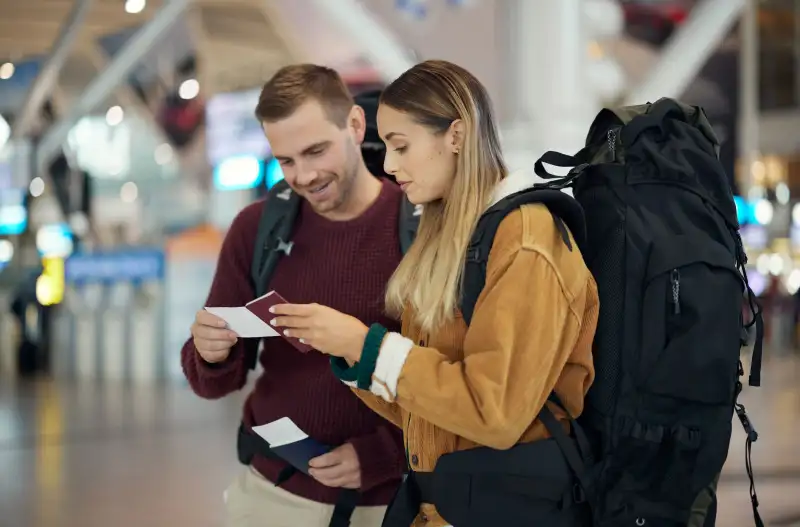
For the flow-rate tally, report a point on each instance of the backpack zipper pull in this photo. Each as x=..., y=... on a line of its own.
x=675, y=278
x=611, y=138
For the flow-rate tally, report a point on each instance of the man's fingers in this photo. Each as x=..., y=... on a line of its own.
x=210, y=333
x=330, y=473
x=213, y=345
x=213, y=356
x=337, y=477
x=332, y=458
x=334, y=476
x=206, y=318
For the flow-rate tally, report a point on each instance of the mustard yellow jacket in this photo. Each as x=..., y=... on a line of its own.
x=458, y=388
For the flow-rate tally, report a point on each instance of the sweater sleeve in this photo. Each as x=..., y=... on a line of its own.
x=385, y=409
x=380, y=455
x=231, y=287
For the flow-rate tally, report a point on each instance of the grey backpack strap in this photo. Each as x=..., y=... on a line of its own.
x=409, y=221
x=274, y=233
x=272, y=240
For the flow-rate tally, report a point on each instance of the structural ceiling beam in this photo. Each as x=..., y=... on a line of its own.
x=687, y=50
x=376, y=42
x=46, y=81
x=108, y=80
x=124, y=93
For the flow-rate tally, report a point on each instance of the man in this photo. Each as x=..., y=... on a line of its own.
x=344, y=249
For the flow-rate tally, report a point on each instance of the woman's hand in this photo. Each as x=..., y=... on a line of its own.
x=323, y=328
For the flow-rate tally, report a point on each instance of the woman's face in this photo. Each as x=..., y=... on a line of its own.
x=423, y=162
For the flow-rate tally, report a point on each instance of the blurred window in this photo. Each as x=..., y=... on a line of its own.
x=779, y=46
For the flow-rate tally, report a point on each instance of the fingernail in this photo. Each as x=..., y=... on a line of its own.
x=273, y=322
x=287, y=333
x=272, y=309
x=302, y=341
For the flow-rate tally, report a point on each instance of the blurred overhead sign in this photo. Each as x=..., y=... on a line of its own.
x=134, y=265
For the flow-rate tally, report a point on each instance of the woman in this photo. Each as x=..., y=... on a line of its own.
x=451, y=387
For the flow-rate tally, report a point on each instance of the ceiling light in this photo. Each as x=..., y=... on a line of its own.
x=129, y=192
x=189, y=89
x=163, y=154
x=114, y=116
x=135, y=6
x=6, y=71
x=36, y=187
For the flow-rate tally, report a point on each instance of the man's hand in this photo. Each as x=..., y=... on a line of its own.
x=339, y=468
x=211, y=337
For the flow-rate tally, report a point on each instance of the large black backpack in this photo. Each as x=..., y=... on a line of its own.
x=662, y=242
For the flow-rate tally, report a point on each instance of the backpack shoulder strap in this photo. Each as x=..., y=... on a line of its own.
x=567, y=214
x=409, y=221
x=274, y=231
x=272, y=239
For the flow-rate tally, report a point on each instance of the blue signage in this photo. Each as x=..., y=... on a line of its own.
x=745, y=211
x=134, y=265
x=274, y=172
x=13, y=214
x=238, y=173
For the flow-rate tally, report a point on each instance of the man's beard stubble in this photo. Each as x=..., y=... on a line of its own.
x=345, y=181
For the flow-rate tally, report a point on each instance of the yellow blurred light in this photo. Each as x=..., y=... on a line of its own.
x=759, y=171
x=596, y=50
x=50, y=285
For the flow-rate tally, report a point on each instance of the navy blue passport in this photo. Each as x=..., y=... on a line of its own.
x=289, y=442
x=299, y=453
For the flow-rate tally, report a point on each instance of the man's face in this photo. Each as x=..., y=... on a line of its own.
x=320, y=161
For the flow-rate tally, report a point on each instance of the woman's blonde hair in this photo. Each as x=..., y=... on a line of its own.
x=428, y=280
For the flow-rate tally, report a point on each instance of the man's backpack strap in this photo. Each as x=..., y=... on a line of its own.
x=409, y=221
x=274, y=231
x=567, y=214
x=272, y=240
x=249, y=445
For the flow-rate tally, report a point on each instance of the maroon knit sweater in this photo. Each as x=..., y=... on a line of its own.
x=344, y=265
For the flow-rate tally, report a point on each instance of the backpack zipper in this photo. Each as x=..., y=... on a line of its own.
x=675, y=279
x=612, y=142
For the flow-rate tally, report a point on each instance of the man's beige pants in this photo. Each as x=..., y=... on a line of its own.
x=252, y=501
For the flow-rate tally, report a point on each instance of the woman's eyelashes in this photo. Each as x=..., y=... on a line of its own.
x=400, y=149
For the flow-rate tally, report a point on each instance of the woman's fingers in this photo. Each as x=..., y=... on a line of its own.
x=295, y=310
x=291, y=322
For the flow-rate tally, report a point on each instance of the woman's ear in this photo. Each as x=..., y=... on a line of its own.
x=455, y=136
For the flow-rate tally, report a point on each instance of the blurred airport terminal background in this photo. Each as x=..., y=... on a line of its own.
x=128, y=144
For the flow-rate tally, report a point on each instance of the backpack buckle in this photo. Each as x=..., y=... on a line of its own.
x=284, y=247
x=578, y=169
x=474, y=254
x=578, y=494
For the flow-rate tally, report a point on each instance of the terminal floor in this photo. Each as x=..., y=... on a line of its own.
x=99, y=454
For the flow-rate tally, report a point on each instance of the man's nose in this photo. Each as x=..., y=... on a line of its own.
x=305, y=174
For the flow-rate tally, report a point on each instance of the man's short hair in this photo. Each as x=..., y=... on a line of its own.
x=294, y=85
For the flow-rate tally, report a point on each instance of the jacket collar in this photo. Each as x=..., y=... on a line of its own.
x=513, y=183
